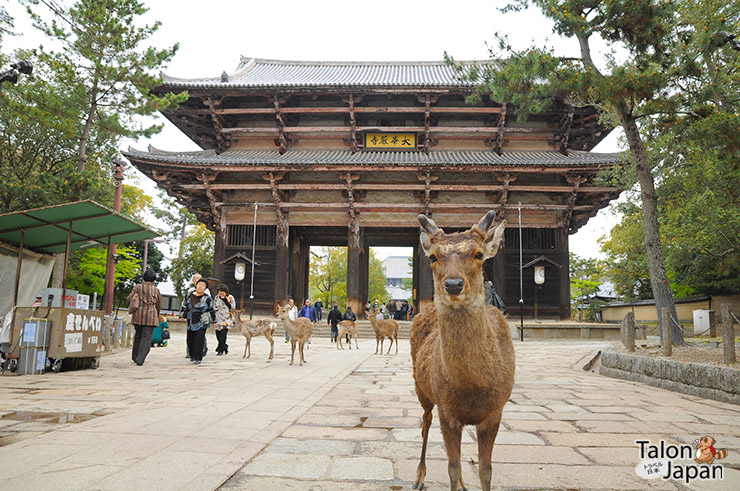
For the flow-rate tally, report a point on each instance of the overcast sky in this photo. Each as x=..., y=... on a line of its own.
x=214, y=35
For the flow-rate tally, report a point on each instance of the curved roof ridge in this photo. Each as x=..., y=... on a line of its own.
x=267, y=61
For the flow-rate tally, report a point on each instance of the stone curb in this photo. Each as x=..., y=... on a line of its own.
x=698, y=379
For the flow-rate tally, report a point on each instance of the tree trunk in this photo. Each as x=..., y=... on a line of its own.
x=85, y=135
x=653, y=249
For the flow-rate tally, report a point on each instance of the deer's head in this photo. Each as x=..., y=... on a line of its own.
x=457, y=259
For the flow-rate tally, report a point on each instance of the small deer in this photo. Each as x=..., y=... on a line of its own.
x=387, y=328
x=299, y=330
x=349, y=328
x=255, y=327
x=461, y=349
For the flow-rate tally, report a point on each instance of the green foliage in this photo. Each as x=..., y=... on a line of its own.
x=87, y=270
x=328, y=276
x=376, y=280
x=585, y=279
x=197, y=249
x=105, y=68
x=627, y=265
x=695, y=145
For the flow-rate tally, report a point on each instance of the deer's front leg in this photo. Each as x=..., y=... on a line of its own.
x=452, y=435
x=487, y=432
x=426, y=422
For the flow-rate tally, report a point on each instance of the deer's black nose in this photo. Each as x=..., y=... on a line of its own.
x=454, y=286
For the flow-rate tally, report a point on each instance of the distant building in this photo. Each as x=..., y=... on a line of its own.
x=396, y=269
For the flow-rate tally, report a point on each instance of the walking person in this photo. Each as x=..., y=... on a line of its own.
x=391, y=309
x=224, y=305
x=333, y=319
x=292, y=315
x=319, y=308
x=194, y=281
x=145, y=301
x=349, y=316
x=199, y=313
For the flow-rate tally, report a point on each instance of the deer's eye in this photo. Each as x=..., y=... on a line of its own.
x=479, y=255
x=432, y=258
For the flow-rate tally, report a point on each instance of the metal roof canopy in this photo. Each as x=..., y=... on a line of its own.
x=64, y=228
x=83, y=223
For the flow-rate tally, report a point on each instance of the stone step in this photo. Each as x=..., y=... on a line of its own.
x=365, y=330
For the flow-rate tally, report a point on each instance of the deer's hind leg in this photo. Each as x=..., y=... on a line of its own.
x=246, y=346
x=426, y=422
x=356, y=345
x=272, y=344
x=390, y=340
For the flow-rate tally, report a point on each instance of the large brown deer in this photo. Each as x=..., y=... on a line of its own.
x=461, y=349
x=350, y=329
x=255, y=327
x=299, y=330
x=386, y=328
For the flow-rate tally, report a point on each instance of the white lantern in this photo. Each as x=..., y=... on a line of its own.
x=539, y=274
x=240, y=270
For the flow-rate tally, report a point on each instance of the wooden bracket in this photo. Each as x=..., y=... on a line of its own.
x=282, y=141
x=575, y=182
x=211, y=200
x=498, y=141
x=427, y=123
x=428, y=178
x=218, y=123
x=353, y=124
x=506, y=179
x=567, y=122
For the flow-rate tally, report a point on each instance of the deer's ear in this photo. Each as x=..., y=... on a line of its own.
x=493, y=239
x=426, y=244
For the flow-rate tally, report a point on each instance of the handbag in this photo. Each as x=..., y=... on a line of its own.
x=165, y=334
x=134, y=303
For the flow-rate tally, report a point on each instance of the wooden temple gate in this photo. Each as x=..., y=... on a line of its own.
x=348, y=154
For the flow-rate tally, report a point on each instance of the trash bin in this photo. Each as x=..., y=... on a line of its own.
x=704, y=324
x=34, y=346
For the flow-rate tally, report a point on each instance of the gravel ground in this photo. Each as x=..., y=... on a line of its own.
x=697, y=350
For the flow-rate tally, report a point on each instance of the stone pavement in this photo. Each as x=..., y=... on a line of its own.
x=345, y=420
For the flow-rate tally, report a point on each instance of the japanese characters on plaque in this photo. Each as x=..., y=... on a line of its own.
x=390, y=141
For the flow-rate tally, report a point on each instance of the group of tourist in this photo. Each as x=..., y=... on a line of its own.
x=399, y=310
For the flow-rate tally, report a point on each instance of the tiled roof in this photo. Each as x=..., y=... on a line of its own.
x=259, y=73
x=237, y=157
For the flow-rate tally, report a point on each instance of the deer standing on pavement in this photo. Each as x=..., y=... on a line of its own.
x=299, y=330
x=255, y=327
x=461, y=349
x=350, y=329
x=386, y=328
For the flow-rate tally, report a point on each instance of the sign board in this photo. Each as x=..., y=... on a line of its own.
x=83, y=301
x=390, y=141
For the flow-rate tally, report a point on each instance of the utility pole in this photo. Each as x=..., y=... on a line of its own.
x=110, y=268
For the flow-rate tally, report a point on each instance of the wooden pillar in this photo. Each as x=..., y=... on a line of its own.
x=728, y=334
x=356, y=263
x=563, y=272
x=219, y=249
x=282, y=261
x=299, y=269
x=425, y=283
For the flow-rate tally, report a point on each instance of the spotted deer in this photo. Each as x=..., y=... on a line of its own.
x=386, y=328
x=461, y=349
x=350, y=329
x=255, y=327
x=299, y=330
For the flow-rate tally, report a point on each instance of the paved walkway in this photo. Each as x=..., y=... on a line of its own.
x=345, y=420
